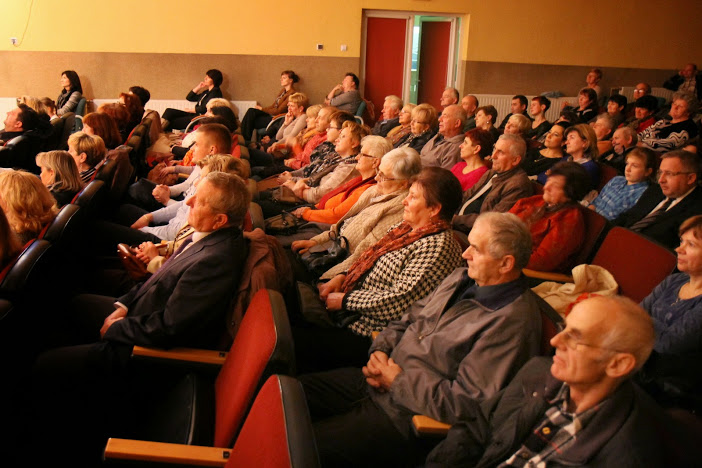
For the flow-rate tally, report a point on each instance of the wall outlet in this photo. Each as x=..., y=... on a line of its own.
x=13, y=40
x=320, y=46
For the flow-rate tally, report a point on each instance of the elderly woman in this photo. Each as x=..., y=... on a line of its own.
x=587, y=105
x=475, y=148
x=375, y=211
x=71, y=94
x=87, y=151
x=207, y=89
x=401, y=268
x=537, y=109
x=581, y=146
x=540, y=161
x=59, y=174
x=554, y=218
x=622, y=192
x=424, y=120
x=518, y=124
x=339, y=201
x=104, y=126
x=405, y=127
x=299, y=144
x=10, y=245
x=295, y=121
x=28, y=205
x=260, y=117
x=667, y=135
x=603, y=127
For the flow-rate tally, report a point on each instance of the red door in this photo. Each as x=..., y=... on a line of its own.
x=385, y=58
x=433, y=61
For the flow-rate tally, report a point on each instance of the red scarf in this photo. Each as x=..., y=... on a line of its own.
x=348, y=187
x=396, y=239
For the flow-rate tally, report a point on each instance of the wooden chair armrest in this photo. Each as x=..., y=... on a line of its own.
x=160, y=452
x=202, y=356
x=548, y=276
x=424, y=425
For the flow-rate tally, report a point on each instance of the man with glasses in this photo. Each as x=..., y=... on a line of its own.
x=664, y=206
x=578, y=408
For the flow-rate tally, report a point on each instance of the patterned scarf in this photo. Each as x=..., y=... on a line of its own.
x=402, y=236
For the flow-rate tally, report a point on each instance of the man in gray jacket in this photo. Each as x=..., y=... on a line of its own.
x=450, y=351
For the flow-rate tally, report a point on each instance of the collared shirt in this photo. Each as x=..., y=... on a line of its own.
x=618, y=196
x=556, y=431
x=492, y=297
x=675, y=200
x=442, y=152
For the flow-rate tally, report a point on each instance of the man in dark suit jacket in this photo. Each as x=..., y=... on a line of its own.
x=662, y=208
x=390, y=116
x=182, y=304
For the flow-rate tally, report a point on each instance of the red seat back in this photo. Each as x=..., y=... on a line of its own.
x=263, y=346
x=594, y=226
x=637, y=263
x=278, y=430
x=607, y=173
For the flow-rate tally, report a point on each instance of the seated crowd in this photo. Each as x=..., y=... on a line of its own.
x=409, y=242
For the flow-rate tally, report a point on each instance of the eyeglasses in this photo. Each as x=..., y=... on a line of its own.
x=572, y=342
x=380, y=177
x=667, y=174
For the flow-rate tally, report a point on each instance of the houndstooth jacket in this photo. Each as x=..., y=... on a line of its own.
x=400, y=278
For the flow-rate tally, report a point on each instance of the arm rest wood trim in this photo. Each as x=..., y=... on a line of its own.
x=204, y=356
x=159, y=452
x=545, y=275
x=424, y=425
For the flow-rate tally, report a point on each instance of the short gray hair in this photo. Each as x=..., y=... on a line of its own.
x=630, y=133
x=517, y=145
x=394, y=101
x=234, y=197
x=690, y=99
x=606, y=119
x=405, y=162
x=509, y=236
x=375, y=145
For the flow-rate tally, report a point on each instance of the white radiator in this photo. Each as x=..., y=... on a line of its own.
x=160, y=105
x=502, y=103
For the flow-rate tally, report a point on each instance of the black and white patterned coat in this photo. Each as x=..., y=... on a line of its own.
x=400, y=278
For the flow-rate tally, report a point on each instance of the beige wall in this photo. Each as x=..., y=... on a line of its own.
x=167, y=45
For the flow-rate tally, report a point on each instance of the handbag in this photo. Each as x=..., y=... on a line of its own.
x=282, y=224
x=314, y=311
x=317, y=261
x=135, y=267
x=286, y=196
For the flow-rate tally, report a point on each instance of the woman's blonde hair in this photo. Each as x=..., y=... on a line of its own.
x=425, y=113
x=313, y=111
x=300, y=99
x=32, y=102
x=225, y=163
x=92, y=145
x=66, y=176
x=9, y=243
x=27, y=203
x=219, y=102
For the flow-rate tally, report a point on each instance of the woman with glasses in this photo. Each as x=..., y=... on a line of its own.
x=405, y=265
x=405, y=127
x=378, y=209
x=422, y=128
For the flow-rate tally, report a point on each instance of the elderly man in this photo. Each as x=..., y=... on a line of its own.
x=667, y=135
x=470, y=104
x=345, y=96
x=183, y=304
x=688, y=80
x=449, y=97
x=499, y=188
x=579, y=408
x=518, y=105
x=444, y=150
x=22, y=138
x=623, y=141
x=664, y=206
x=452, y=349
x=390, y=116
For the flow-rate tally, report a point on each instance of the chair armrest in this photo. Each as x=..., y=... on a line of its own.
x=548, y=276
x=424, y=425
x=160, y=452
x=202, y=356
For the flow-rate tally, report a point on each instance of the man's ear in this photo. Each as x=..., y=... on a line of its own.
x=82, y=157
x=620, y=365
x=221, y=220
x=507, y=264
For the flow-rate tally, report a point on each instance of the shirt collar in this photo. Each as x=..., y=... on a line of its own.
x=493, y=297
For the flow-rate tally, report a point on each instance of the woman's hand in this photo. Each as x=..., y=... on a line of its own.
x=258, y=107
x=284, y=177
x=301, y=246
x=334, y=300
x=146, y=252
x=289, y=117
x=200, y=86
x=331, y=286
x=168, y=169
x=142, y=222
x=301, y=211
x=161, y=194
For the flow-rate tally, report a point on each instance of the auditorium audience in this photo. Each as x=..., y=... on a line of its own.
x=450, y=351
x=10, y=245
x=469, y=104
x=623, y=142
x=298, y=145
x=345, y=96
x=664, y=206
x=142, y=93
x=449, y=97
x=594, y=76
x=422, y=123
x=539, y=125
x=645, y=109
x=616, y=105
x=517, y=106
x=518, y=125
x=485, y=118
x=587, y=105
x=581, y=146
x=404, y=126
x=23, y=137
x=500, y=187
x=207, y=89
x=27, y=204
x=401, y=268
x=318, y=144
x=603, y=126
x=87, y=151
x=540, y=161
x=687, y=80
x=578, y=408
x=104, y=126
x=259, y=117
x=59, y=174
x=444, y=150
x=673, y=133
x=622, y=192
x=71, y=93
x=389, y=116
x=476, y=146
x=120, y=115
x=49, y=108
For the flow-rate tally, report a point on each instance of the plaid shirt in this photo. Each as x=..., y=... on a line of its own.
x=557, y=430
x=616, y=197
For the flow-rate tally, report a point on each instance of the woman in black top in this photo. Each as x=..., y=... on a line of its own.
x=205, y=90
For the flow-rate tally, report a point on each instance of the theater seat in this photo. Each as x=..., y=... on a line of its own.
x=61, y=230
x=195, y=412
x=277, y=434
x=28, y=274
x=91, y=199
